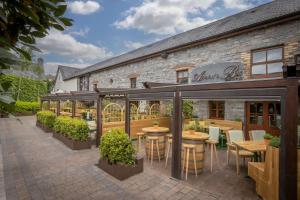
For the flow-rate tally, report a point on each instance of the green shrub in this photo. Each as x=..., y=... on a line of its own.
x=117, y=147
x=75, y=129
x=187, y=109
x=275, y=142
x=268, y=136
x=25, y=89
x=27, y=107
x=46, y=118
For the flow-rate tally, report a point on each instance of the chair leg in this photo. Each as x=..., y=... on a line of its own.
x=194, y=157
x=167, y=153
x=187, y=162
x=216, y=154
x=149, y=151
x=211, y=157
x=237, y=162
x=183, y=162
x=152, y=145
x=157, y=149
x=228, y=155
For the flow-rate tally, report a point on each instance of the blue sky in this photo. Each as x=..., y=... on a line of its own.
x=106, y=28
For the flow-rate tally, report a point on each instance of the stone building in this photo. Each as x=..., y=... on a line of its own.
x=253, y=44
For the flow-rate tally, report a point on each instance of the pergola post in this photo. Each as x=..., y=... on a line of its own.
x=288, y=146
x=177, y=136
x=99, y=121
x=48, y=105
x=58, y=108
x=127, y=116
x=73, y=108
x=41, y=104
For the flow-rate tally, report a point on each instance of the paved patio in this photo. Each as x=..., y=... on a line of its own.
x=36, y=166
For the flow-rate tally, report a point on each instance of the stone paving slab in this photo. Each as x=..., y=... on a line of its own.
x=36, y=166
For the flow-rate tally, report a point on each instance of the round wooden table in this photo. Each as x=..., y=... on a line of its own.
x=197, y=139
x=160, y=132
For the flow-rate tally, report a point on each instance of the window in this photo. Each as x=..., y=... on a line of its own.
x=132, y=82
x=267, y=62
x=84, y=83
x=95, y=85
x=216, y=109
x=183, y=76
x=256, y=114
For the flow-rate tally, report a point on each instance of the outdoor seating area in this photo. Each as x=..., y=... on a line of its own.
x=195, y=136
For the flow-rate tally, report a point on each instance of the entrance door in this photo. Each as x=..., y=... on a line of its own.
x=263, y=116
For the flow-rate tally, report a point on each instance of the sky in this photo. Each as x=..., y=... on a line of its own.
x=107, y=28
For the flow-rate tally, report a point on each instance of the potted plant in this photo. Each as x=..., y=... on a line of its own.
x=117, y=155
x=267, y=138
x=156, y=124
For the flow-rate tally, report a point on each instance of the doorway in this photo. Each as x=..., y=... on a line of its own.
x=263, y=116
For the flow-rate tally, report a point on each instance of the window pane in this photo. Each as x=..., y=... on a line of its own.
x=259, y=56
x=275, y=67
x=275, y=54
x=258, y=69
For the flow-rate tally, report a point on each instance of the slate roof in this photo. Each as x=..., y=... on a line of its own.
x=277, y=9
x=67, y=72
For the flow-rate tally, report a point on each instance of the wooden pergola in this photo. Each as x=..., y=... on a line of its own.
x=285, y=90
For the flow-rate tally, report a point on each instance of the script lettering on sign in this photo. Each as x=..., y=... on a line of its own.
x=218, y=72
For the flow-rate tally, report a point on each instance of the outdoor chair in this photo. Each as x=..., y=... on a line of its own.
x=214, y=133
x=236, y=136
x=257, y=135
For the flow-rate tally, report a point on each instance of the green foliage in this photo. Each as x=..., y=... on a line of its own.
x=24, y=89
x=27, y=107
x=46, y=118
x=75, y=129
x=191, y=127
x=275, y=142
x=268, y=136
x=117, y=147
x=187, y=109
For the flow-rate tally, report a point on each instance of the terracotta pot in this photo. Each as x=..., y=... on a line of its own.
x=192, y=132
x=155, y=126
x=267, y=141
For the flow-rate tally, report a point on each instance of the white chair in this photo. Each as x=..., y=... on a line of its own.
x=257, y=135
x=236, y=136
x=214, y=133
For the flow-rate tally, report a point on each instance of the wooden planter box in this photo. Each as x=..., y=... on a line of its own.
x=119, y=171
x=73, y=144
x=3, y=115
x=43, y=127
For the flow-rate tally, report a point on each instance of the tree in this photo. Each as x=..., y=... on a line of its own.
x=21, y=22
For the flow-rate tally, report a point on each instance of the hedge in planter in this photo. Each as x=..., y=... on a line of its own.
x=45, y=120
x=72, y=132
x=117, y=155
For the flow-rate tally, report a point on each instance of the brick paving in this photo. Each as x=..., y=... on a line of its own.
x=36, y=166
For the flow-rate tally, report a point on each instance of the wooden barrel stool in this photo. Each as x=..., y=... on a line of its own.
x=186, y=157
x=139, y=140
x=169, y=146
x=152, y=140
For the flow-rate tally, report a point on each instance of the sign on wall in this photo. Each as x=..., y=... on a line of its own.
x=228, y=71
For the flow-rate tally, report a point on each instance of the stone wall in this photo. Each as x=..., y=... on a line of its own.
x=235, y=110
x=234, y=49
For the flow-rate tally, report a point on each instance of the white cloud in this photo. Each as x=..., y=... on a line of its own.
x=65, y=45
x=83, y=7
x=82, y=32
x=165, y=16
x=130, y=45
x=51, y=67
x=237, y=4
